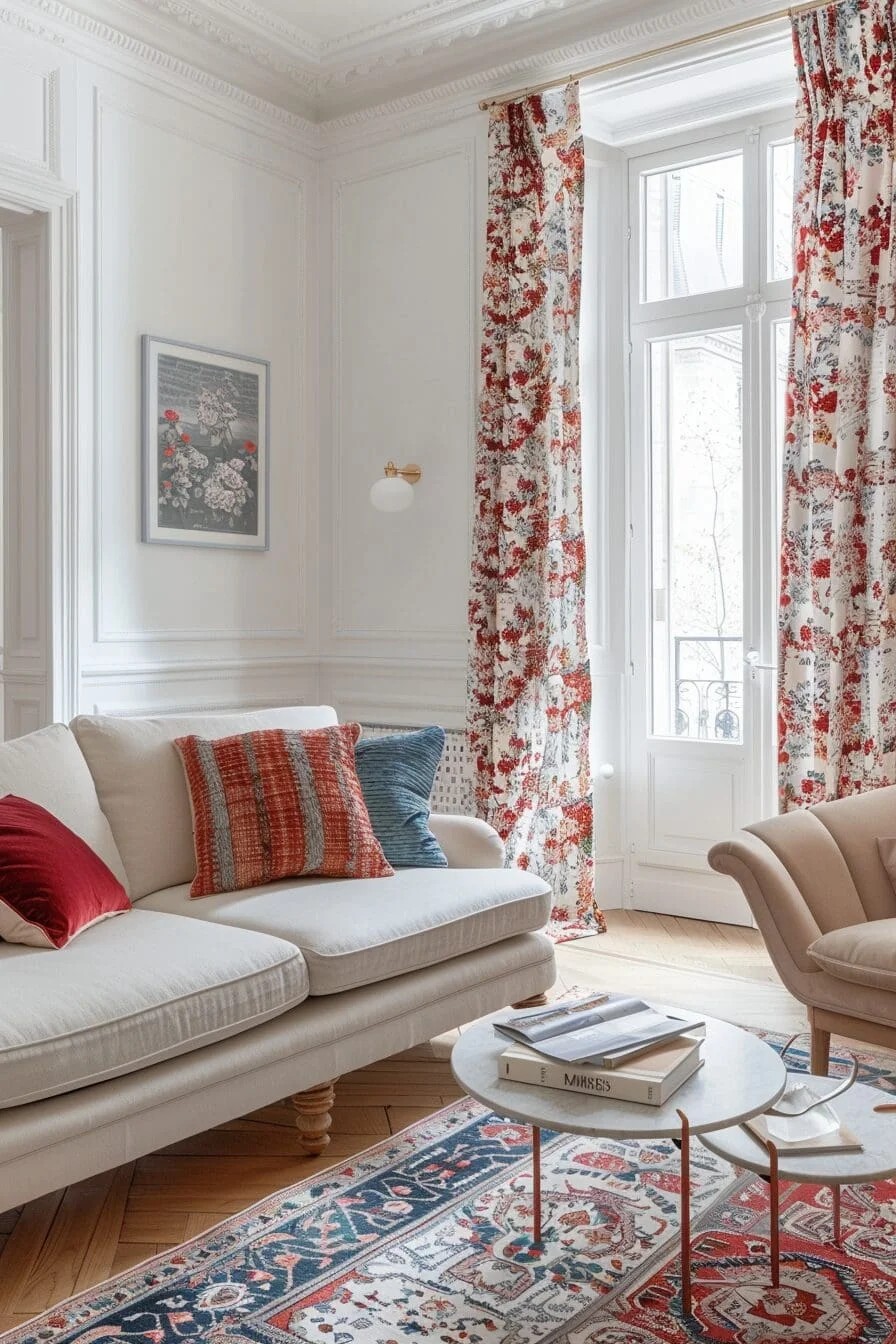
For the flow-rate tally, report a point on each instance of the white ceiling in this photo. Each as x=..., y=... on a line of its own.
x=325, y=22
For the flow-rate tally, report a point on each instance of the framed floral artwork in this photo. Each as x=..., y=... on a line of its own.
x=205, y=446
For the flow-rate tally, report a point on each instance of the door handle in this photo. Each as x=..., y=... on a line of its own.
x=751, y=660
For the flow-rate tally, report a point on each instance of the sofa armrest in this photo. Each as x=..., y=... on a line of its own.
x=467, y=842
x=785, y=921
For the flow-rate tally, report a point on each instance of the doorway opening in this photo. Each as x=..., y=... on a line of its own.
x=701, y=156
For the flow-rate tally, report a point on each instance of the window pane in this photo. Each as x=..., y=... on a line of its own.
x=693, y=229
x=696, y=387
x=780, y=259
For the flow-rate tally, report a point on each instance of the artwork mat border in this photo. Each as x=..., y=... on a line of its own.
x=151, y=532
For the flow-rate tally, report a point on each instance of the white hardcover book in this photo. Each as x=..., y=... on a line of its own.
x=650, y=1080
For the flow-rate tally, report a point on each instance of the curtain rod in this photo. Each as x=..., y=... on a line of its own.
x=743, y=26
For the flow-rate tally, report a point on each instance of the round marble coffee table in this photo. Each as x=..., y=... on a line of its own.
x=741, y=1077
x=857, y=1110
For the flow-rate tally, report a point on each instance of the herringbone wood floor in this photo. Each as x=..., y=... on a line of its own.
x=75, y=1238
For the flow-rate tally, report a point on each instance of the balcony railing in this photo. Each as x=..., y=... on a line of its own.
x=708, y=707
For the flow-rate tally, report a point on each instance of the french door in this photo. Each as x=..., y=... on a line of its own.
x=709, y=310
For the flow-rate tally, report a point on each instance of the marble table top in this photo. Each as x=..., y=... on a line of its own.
x=855, y=1109
x=741, y=1076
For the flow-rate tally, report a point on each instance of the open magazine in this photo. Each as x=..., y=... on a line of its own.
x=603, y=1029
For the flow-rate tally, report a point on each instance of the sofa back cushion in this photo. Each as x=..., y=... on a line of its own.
x=48, y=768
x=142, y=789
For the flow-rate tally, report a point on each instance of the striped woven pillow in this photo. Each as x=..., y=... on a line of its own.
x=278, y=803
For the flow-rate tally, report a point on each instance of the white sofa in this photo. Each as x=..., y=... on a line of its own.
x=181, y=1014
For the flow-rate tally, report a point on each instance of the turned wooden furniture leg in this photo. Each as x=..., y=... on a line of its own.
x=821, y=1048
x=313, y=1118
x=535, y=1001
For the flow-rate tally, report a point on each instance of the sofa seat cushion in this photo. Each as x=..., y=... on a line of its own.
x=864, y=954
x=357, y=931
x=131, y=992
x=141, y=786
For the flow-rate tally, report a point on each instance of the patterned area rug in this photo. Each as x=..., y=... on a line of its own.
x=427, y=1237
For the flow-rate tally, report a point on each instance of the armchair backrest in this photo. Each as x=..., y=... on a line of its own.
x=831, y=854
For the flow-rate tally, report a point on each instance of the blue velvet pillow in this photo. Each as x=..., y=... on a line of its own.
x=397, y=774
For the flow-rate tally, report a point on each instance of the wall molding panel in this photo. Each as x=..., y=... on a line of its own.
x=30, y=112
x=181, y=687
x=290, y=533
x=367, y=432
x=395, y=691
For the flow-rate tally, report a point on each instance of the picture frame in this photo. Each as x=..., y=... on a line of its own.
x=206, y=456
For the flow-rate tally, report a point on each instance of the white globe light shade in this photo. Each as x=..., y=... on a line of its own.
x=391, y=494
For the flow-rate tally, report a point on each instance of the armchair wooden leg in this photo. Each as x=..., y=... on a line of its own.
x=534, y=1001
x=820, y=1052
x=313, y=1118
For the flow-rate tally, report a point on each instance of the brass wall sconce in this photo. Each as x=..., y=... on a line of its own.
x=395, y=490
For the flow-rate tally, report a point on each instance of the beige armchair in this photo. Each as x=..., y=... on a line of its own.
x=818, y=887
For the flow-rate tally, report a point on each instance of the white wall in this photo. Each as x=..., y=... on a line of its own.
x=194, y=222
x=403, y=221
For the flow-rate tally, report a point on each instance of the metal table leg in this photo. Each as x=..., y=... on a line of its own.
x=774, y=1213
x=835, y=1191
x=536, y=1183
x=685, y=1213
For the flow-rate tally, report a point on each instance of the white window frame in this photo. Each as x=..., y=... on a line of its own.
x=755, y=306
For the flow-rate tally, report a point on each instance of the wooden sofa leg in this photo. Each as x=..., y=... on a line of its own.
x=534, y=1001
x=313, y=1118
x=820, y=1052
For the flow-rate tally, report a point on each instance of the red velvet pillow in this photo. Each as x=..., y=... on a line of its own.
x=52, y=884
x=278, y=803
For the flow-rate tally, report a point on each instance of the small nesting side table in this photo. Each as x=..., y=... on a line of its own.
x=876, y=1131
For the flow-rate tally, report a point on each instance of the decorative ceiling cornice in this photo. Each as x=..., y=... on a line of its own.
x=76, y=31
x=444, y=102
x=28, y=25
x=266, y=55
x=425, y=28
x=418, y=69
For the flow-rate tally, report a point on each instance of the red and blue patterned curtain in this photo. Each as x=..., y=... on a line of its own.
x=529, y=695
x=837, y=647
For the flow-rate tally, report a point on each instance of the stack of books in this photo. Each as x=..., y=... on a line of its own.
x=608, y=1045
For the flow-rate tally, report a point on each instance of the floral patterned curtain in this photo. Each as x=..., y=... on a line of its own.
x=837, y=647
x=529, y=694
